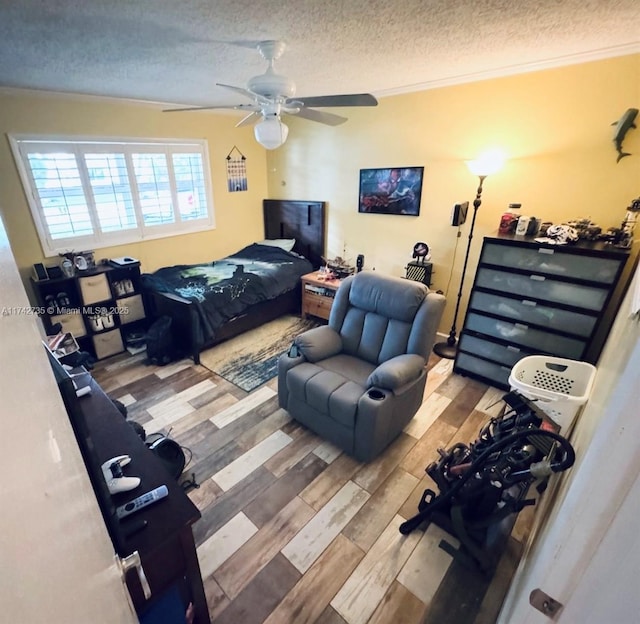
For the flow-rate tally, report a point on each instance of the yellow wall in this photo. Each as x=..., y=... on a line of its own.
x=554, y=126
x=238, y=215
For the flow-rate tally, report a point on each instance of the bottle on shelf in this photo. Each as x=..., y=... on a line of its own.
x=509, y=220
x=523, y=224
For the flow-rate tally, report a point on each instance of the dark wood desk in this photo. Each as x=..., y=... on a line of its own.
x=166, y=545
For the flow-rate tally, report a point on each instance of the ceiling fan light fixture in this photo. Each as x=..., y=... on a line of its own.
x=273, y=95
x=271, y=133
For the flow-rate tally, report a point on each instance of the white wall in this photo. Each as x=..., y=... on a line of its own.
x=56, y=559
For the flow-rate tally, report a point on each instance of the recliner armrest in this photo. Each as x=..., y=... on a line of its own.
x=319, y=343
x=397, y=372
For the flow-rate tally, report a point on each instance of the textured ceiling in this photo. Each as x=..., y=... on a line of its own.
x=174, y=51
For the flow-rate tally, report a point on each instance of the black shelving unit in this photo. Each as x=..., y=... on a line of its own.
x=534, y=298
x=99, y=306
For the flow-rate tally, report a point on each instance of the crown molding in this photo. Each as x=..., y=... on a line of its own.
x=99, y=99
x=512, y=70
x=500, y=72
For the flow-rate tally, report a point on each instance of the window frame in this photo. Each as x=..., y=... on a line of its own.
x=21, y=145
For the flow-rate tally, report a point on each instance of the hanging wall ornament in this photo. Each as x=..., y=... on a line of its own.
x=236, y=171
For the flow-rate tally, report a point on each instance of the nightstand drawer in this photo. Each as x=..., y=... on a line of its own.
x=318, y=295
x=108, y=343
x=94, y=288
x=317, y=305
x=130, y=309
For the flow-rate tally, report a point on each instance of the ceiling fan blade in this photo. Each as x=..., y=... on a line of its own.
x=250, y=107
x=328, y=119
x=245, y=43
x=192, y=108
x=245, y=121
x=354, y=99
x=236, y=89
x=250, y=94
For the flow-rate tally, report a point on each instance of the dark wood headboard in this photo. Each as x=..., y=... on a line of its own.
x=302, y=220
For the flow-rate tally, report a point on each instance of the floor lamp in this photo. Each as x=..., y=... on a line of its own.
x=487, y=164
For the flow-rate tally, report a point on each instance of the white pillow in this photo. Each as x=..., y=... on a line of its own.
x=284, y=243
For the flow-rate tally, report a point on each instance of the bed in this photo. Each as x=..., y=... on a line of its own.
x=214, y=301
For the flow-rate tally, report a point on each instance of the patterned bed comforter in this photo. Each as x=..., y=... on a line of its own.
x=226, y=288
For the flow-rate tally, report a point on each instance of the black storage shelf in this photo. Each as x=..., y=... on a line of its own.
x=532, y=298
x=74, y=317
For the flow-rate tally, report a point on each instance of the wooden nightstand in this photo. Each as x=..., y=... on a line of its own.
x=317, y=295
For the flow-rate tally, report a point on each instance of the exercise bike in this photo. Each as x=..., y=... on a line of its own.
x=484, y=483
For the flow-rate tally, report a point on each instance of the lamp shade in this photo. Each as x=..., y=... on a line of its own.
x=271, y=132
x=487, y=163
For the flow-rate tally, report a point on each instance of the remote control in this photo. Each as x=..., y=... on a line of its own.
x=142, y=501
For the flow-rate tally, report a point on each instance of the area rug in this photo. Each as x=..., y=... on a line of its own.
x=251, y=359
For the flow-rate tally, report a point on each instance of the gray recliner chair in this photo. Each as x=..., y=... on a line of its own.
x=360, y=379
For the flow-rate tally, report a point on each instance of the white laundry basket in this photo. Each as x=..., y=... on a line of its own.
x=559, y=386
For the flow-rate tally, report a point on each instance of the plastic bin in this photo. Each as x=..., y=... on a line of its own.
x=559, y=386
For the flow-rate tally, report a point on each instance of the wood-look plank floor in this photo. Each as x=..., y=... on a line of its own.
x=293, y=530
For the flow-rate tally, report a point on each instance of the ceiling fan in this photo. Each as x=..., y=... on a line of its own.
x=273, y=95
